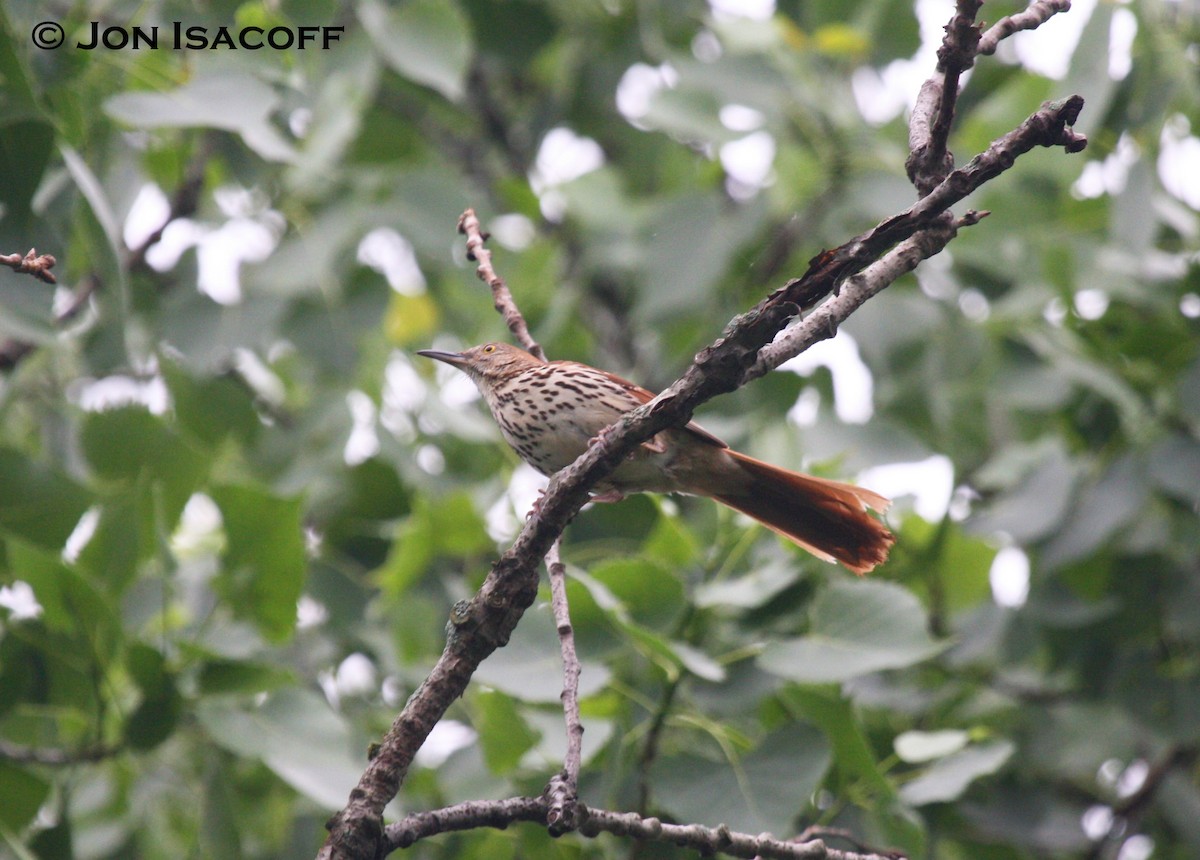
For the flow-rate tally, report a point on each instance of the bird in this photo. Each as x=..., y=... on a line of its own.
x=550, y=411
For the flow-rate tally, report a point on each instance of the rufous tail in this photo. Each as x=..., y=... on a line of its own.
x=827, y=518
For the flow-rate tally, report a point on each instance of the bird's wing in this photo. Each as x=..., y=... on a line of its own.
x=642, y=396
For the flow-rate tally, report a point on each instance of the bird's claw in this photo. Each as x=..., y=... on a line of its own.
x=536, y=508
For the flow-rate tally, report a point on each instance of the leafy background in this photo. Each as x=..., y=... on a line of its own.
x=235, y=511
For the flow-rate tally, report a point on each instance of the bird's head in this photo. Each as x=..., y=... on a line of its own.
x=489, y=362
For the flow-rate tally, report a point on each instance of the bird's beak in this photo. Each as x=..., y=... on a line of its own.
x=455, y=359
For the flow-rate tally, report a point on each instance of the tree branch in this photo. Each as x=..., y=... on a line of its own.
x=33, y=263
x=479, y=626
x=705, y=840
x=1126, y=813
x=57, y=757
x=823, y=323
x=184, y=203
x=929, y=159
x=1038, y=13
x=929, y=126
x=468, y=225
x=563, y=790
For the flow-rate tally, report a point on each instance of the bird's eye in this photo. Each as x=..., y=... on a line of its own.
x=491, y=347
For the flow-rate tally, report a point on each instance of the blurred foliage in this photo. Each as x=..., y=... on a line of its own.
x=245, y=509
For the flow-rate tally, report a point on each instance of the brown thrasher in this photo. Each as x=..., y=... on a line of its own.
x=550, y=411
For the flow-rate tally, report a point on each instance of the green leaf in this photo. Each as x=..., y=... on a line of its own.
x=1041, y=497
x=651, y=593
x=755, y=589
x=1088, y=75
x=1174, y=465
x=457, y=527
x=225, y=677
x=124, y=536
x=118, y=443
x=155, y=718
x=836, y=718
x=1075, y=738
x=37, y=502
x=232, y=101
x=529, y=667
x=503, y=734
x=296, y=735
x=128, y=443
x=207, y=334
x=1104, y=508
x=961, y=562
x=764, y=791
x=70, y=603
x=857, y=627
x=154, y=721
x=264, y=560
x=690, y=114
x=671, y=543
x=895, y=31
x=210, y=409
x=410, y=555
x=671, y=655
x=22, y=794
x=328, y=331
x=427, y=41
x=26, y=138
x=447, y=526
x=100, y=235
x=1068, y=355
x=947, y=778
x=27, y=306
x=856, y=764
x=680, y=272
x=344, y=95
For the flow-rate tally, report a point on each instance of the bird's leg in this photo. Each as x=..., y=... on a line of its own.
x=600, y=437
x=654, y=444
x=612, y=495
x=608, y=496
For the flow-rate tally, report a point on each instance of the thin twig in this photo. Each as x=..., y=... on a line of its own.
x=184, y=203
x=821, y=831
x=33, y=263
x=1128, y=811
x=564, y=788
x=1050, y=125
x=706, y=840
x=13, y=351
x=56, y=757
x=468, y=225
x=1038, y=13
x=823, y=323
x=932, y=116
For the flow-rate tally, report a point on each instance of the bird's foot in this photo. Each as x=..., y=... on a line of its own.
x=599, y=438
x=654, y=444
x=537, y=505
